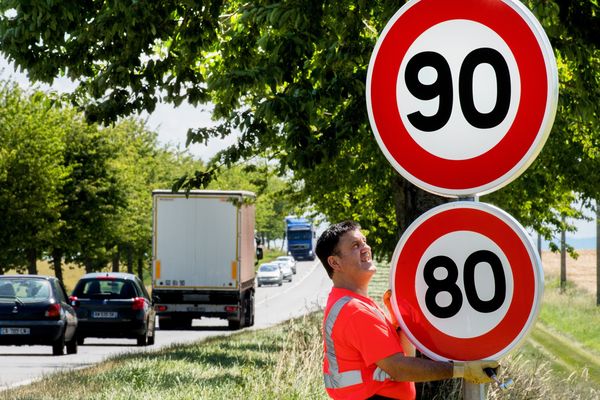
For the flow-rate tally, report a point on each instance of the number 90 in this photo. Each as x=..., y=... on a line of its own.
x=442, y=88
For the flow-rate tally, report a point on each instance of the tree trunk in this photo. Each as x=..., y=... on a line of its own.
x=410, y=203
x=563, y=259
x=32, y=261
x=140, y=268
x=89, y=266
x=116, y=258
x=598, y=252
x=129, y=260
x=57, y=263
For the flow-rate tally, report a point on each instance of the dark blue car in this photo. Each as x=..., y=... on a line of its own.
x=113, y=305
x=34, y=310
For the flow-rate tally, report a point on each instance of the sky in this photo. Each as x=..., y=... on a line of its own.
x=169, y=122
x=172, y=124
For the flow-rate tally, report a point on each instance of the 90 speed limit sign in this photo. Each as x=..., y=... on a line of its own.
x=466, y=282
x=462, y=95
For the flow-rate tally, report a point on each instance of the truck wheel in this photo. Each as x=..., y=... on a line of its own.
x=251, y=312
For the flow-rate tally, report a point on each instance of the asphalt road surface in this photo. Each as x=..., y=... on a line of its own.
x=308, y=291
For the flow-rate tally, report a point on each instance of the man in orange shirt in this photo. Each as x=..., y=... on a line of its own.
x=364, y=355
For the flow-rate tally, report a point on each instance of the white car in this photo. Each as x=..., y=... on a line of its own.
x=290, y=260
x=286, y=269
x=269, y=274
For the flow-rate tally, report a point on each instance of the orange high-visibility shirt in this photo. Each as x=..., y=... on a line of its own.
x=357, y=334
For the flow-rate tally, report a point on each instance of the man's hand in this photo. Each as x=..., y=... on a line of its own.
x=387, y=300
x=407, y=346
x=473, y=371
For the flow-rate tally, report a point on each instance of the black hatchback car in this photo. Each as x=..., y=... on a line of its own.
x=113, y=305
x=34, y=310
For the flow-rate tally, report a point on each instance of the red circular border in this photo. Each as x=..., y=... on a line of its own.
x=522, y=303
x=498, y=161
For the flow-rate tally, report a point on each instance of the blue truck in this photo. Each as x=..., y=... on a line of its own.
x=300, y=238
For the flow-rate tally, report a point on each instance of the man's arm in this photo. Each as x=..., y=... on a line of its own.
x=410, y=369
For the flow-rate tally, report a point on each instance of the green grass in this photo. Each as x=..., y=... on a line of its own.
x=557, y=362
x=271, y=254
x=283, y=362
x=573, y=312
x=566, y=337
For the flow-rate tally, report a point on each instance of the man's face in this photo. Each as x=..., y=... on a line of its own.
x=353, y=255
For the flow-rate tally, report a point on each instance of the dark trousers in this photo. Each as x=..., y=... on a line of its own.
x=379, y=397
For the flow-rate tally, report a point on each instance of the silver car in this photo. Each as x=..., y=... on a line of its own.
x=285, y=269
x=290, y=260
x=269, y=274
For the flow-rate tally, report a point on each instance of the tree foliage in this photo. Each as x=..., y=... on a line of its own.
x=290, y=76
x=32, y=175
x=74, y=191
x=274, y=200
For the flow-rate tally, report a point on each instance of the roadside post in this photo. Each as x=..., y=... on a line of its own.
x=461, y=98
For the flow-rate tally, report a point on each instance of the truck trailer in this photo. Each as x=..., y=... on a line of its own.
x=203, y=257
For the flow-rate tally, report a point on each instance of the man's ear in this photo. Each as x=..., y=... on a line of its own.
x=334, y=263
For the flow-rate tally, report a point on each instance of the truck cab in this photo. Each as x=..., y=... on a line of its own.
x=300, y=238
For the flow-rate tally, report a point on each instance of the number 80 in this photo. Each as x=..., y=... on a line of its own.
x=448, y=284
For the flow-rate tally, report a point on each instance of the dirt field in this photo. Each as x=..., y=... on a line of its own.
x=581, y=271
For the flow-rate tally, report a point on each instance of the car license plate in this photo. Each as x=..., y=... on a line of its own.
x=195, y=309
x=104, y=314
x=14, y=331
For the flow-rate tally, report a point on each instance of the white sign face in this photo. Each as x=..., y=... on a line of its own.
x=491, y=276
x=466, y=282
x=453, y=136
x=462, y=95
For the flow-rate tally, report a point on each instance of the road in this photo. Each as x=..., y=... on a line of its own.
x=307, y=292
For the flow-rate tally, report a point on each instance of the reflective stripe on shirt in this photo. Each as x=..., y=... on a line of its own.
x=336, y=379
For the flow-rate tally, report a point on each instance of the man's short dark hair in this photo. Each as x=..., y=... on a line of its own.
x=328, y=241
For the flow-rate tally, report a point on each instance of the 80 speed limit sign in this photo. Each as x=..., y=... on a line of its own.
x=466, y=282
x=462, y=95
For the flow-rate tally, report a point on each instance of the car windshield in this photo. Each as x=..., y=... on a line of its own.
x=105, y=288
x=24, y=290
x=268, y=268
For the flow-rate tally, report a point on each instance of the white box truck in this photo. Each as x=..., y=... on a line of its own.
x=203, y=257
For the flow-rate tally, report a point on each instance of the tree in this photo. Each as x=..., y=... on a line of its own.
x=32, y=175
x=92, y=195
x=141, y=165
x=290, y=76
x=273, y=197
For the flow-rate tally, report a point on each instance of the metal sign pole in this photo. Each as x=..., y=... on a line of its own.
x=472, y=391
